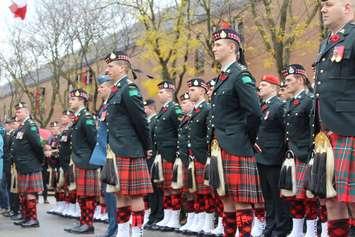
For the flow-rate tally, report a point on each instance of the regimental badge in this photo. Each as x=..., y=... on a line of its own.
x=77, y=93
x=223, y=34
x=291, y=70
x=112, y=56
x=338, y=53
x=195, y=83
x=165, y=85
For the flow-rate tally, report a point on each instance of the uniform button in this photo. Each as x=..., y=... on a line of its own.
x=321, y=71
x=286, y=138
x=212, y=117
x=286, y=132
x=287, y=124
x=296, y=114
x=213, y=105
x=212, y=125
x=318, y=82
x=317, y=95
x=323, y=59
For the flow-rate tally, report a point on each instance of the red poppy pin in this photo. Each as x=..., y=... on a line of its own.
x=197, y=110
x=164, y=109
x=75, y=119
x=296, y=102
x=334, y=38
x=223, y=76
x=264, y=107
x=114, y=89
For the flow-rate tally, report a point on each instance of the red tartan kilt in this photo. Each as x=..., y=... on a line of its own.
x=300, y=178
x=87, y=182
x=241, y=178
x=30, y=183
x=168, y=174
x=199, y=175
x=344, y=167
x=134, y=176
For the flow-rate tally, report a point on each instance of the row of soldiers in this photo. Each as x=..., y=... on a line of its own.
x=224, y=156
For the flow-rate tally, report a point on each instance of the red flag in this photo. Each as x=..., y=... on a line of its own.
x=19, y=9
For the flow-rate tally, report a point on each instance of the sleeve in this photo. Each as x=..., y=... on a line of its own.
x=34, y=139
x=89, y=127
x=134, y=104
x=177, y=114
x=246, y=90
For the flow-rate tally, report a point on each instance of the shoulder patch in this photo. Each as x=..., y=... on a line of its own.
x=33, y=128
x=133, y=91
x=90, y=122
x=247, y=80
x=178, y=111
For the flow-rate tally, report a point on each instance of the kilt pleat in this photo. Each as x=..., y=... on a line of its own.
x=199, y=175
x=30, y=183
x=344, y=167
x=134, y=176
x=241, y=178
x=87, y=182
x=168, y=174
x=300, y=178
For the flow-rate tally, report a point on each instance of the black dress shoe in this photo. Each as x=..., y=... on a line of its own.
x=155, y=227
x=83, y=229
x=30, y=224
x=17, y=217
x=68, y=229
x=20, y=222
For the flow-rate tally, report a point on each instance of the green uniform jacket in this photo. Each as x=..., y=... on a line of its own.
x=198, y=132
x=235, y=111
x=27, y=149
x=128, y=130
x=83, y=138
x=166, y=130
x=65, y=148
x=335, y=83
x=183, y=131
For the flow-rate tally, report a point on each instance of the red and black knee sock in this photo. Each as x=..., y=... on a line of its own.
x=146, y=202
x=72, y=197
x=229, y=224
x=167, y=202
x=210, y=204
x=31, y=210
x=23, y=206
x=338, y=228
x=123, y=214
x=219, y=206
x=312, y=207
x=87, y=207
x=60, y=197
x=323, y=214
x=260, y=213
x=297, y=209
x=137, y=218
x=199, y=204
x=176, y=202
x=244, y=222
x=352, y=222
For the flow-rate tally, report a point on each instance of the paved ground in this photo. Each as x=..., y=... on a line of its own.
x=53, y=226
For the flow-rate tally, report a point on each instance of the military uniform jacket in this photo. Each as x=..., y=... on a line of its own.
x=65, y=148
x=83, y=139
x=271, y=134
x=235, y=111
x=128, y=130
x=8, y=158
x=151, y=123
x=197, y=137
x=166, y=130
x=298, y=125
x=27, y=148
x=183, y=132
x=335, y=82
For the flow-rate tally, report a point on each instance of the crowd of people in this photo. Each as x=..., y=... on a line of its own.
x=232, y=158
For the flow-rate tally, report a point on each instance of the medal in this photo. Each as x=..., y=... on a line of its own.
x=338, y=53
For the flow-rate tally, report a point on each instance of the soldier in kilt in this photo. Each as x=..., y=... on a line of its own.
x=182, y=153
x=28, y=156
x=165, y=139
x=129, y=139
x=299, y=141
x=334, y=115
x=235, y=118
x=83, y=140
x=198, y=152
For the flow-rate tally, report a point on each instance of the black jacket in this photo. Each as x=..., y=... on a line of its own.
x=83, y=139
x=183, y=132
x=65, y=148
x=27, y=148
x=271, y=134
x=198, y=132
x=298, y=125
x=235, y=111
x=335, y=83
x=166, y=130
x=128, y=130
